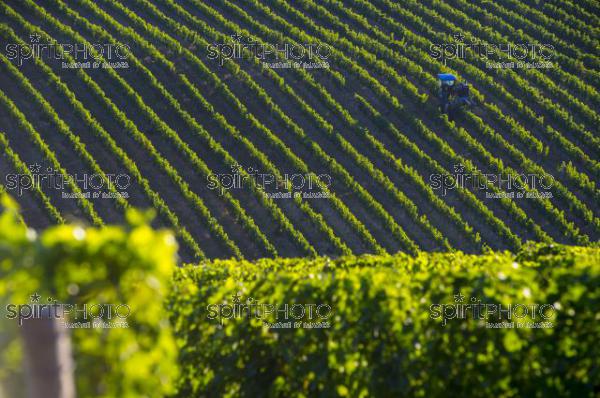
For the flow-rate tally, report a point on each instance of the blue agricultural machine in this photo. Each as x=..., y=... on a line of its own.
x=453, y=95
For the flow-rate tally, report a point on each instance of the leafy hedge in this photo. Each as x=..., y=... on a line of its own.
x=87, y=266
x=385, y=338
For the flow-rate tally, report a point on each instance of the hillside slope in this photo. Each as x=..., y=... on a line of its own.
x=198, y=110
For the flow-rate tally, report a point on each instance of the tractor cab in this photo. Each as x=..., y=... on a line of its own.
x=452, y=95
x=446, y=80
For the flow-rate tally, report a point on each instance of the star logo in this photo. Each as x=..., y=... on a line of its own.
x=235, y=168
x=34, y=37
x=35, y=168
x=459, y=298
x=459, y=168
x=236, y=298
x=458, y=36
x=35, y=298
x=236, y=37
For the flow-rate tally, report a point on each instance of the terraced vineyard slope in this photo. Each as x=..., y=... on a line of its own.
x=314, y=127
